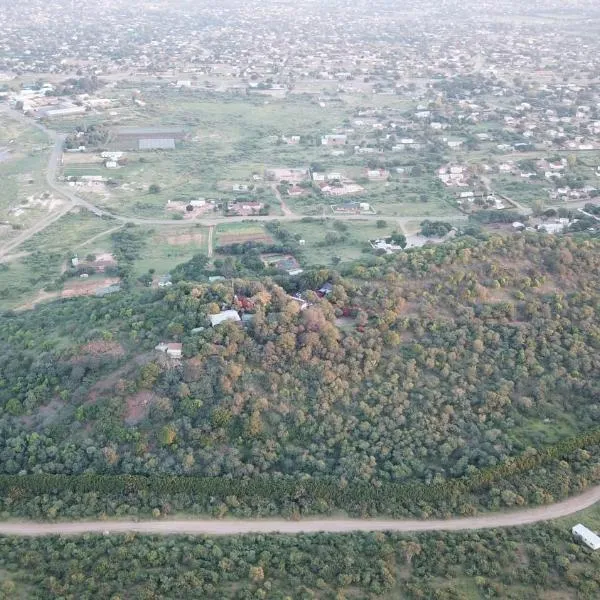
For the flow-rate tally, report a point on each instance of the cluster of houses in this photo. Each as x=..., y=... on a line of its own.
x=241, y=311
x=454, y=175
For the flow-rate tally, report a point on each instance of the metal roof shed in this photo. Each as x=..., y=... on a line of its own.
x=588, y=537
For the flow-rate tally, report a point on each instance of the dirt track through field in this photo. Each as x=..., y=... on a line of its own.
x=239, y=527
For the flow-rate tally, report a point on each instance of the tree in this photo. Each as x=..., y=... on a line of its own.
x=154, y=188
x=381, y=224
x=168, y=434
x=398, y=239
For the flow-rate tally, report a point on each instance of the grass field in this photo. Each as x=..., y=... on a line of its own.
x=22, y=279
x=241, y=232
x=46, y=255
x=165, y=248
x=359, y=233
x=70, y=232
x=24, y=155
x=230, y=138
x=522, y=190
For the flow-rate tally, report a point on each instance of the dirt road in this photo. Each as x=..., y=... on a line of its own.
x=285, y=209
x=211, y=231
x=237, y=527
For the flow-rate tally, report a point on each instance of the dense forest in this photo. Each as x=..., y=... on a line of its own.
x=439, y=380
x=532, y=563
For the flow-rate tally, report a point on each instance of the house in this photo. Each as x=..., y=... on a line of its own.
x=321, y=176
x=290, y=175
x=302, y=303
x=295, y=191
x=225, y=315
x=355, y=208
x=385, y=244
x=588, y=537
x=165, y=281
x=100, y=263
x=551, y=227
x=246, y=208
x=287, y=263
x=377, y=174
x=343, y=190
x=325, y=290
x=334, y=140
x=171, y=349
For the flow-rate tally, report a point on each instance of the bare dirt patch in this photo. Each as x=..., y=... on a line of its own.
x=41, y=296
x=101, y=347
x=182, y=239
x=226, y=239
x=127, y=371
x=138, y=406
x=81, y=158
x=85, y=287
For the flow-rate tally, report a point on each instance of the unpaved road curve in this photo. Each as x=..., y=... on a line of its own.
x=237, y=527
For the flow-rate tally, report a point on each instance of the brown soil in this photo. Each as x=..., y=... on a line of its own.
x=182, y=239
x=138, y=406
x=98, y=347
x=239, y=238
x=84, y=287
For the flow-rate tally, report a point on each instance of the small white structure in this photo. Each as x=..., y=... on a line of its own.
x=171, y=349
x=551, y=227
x=226, y=315
x=588, y=537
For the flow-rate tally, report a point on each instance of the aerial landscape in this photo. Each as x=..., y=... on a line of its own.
x=300, y=300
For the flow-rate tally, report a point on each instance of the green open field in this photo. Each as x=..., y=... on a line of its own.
x=166, y=247
x=24, y=154
x=358, y=234
x=46, y=254
x=43, y=257
x=232, y=233
x=20, y=280
x=71, y=232
x=232, y=138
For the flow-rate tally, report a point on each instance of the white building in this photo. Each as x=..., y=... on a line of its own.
x=226, y=315
x=588, y=537
x=171, y=349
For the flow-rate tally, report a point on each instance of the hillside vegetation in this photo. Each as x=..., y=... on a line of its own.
x=533, y=563
x=439, y=380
